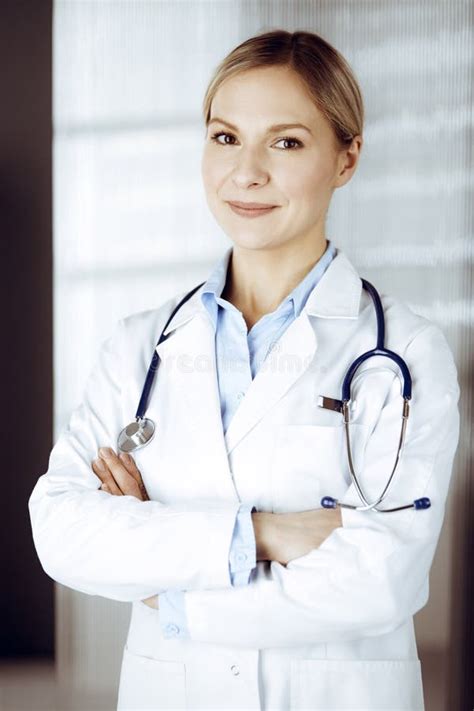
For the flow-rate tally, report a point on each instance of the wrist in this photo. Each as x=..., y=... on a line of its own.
x=264, y=529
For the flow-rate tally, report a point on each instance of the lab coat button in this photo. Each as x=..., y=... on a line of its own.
x=240, y=395
x=241, y=556
x=172, y=629
x=235, y=669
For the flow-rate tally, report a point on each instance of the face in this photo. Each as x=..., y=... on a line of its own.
x=294, y=169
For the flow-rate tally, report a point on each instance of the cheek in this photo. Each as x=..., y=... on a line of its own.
x=310, y=176
x=306, y=181
x=212, y=170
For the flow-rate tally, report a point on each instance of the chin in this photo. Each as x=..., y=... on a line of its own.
x=249, y=240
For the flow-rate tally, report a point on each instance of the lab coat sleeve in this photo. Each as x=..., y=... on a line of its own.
x=371, y=574
x=118, y=546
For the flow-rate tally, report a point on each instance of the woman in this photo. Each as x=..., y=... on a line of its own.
x=246, y=593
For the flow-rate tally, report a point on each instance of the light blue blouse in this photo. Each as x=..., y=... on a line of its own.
x=239, y=355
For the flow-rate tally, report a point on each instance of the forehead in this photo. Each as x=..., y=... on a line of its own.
x=269, y=94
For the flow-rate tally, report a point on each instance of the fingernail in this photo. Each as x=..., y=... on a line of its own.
x=105, y=452
x=99, y=464
x=125, y=457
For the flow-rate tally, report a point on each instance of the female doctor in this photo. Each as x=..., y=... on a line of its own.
x=246, y=593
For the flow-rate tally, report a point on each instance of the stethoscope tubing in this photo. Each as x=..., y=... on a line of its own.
x=379, y=350
x=153, y=367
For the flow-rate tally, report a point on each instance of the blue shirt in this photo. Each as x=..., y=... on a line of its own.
x=239, y=355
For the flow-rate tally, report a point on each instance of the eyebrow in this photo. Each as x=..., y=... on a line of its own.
x=271, y=129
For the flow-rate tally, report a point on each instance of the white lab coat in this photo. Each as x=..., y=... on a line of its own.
x=333, y=629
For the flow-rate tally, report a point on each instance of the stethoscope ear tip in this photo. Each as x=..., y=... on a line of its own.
x=327, y=502
x=423, y=503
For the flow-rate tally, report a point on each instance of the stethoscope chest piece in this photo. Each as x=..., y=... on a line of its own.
x=135, y=435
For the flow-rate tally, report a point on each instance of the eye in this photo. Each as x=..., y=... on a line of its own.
x=288, y=139
x=215, y=136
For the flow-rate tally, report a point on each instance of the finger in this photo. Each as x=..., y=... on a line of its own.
x=124, y=480
x=143, y=492
x=101, y=470
x=132, y=468
x=129, y=463
x=152, y=601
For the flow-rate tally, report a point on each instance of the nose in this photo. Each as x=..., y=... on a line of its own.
x=249, y=169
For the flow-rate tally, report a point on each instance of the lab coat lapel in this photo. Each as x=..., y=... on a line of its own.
x=282, y=367
x=336, y=295
x=189, y=362
x=189, y=358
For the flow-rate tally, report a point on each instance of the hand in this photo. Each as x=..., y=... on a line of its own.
x=119, y=474
x=283, y=537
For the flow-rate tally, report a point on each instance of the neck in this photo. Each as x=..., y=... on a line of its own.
x=259, y=280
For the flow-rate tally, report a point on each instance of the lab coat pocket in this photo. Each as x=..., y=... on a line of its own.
x=147, y=683
x=360, y=685
x=310, y=461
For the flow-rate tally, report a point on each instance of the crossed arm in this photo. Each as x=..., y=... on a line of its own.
x=320, y=571
x=278, y=537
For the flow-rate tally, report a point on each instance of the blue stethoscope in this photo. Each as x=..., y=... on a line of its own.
x=139, y=433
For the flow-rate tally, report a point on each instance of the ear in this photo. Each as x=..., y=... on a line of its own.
x=347, y=162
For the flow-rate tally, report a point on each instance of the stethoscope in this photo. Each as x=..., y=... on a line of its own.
x=137, y=434
x=140, y=432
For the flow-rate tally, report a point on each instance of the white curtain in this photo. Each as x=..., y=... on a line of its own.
x=132, y=228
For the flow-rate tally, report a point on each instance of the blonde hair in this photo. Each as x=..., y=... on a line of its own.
x=325, y=72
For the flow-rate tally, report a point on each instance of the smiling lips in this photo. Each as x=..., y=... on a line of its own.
x=251, y=209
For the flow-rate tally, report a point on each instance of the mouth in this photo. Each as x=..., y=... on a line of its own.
x=251, y=211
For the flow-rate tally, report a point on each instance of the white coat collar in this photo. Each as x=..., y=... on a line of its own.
x=336, y=295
